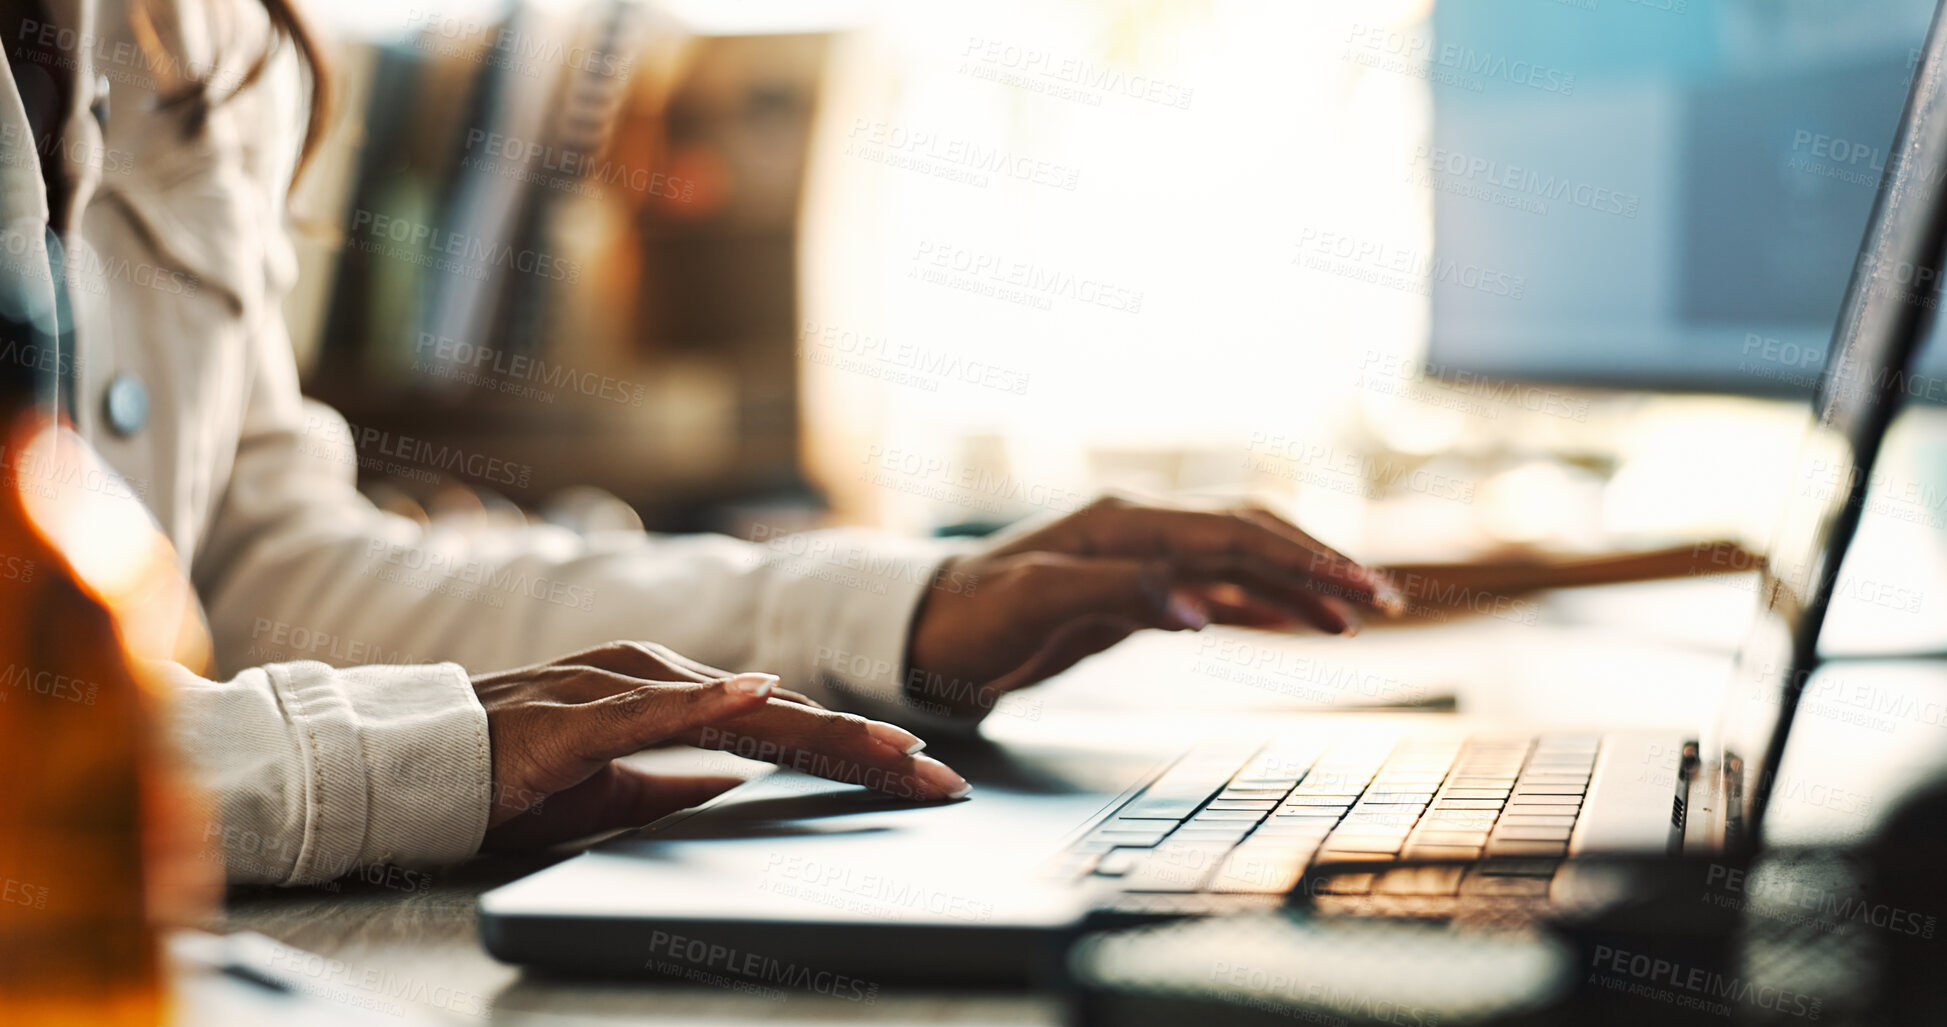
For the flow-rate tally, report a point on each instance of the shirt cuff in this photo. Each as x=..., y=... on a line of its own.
x=846, y=613
x=395, y=763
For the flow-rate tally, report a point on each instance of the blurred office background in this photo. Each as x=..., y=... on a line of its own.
x=1441, y=278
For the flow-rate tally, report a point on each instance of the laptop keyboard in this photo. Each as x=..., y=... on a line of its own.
x=1226, y=820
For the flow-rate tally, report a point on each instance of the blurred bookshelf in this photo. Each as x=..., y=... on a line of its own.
x=565, y=241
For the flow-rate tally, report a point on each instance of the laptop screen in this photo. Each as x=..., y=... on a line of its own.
x=1887, y=310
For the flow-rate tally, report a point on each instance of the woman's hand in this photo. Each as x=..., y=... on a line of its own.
x=557, y=728
x=1039, y=600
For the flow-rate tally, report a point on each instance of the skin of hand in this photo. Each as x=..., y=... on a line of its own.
x=1040, y=598
x=556, y=729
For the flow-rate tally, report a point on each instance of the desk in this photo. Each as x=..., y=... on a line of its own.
x=419, y=939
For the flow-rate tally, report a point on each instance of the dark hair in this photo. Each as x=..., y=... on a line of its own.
x=199, y=96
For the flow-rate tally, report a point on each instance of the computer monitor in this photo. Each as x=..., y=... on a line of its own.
x=1681, y=185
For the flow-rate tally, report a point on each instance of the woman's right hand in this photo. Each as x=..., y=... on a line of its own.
x=556, y=729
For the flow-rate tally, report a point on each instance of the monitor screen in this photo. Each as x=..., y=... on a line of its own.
x=1682, y=185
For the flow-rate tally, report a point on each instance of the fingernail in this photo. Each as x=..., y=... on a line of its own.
x=1188, y=614
x=1388, y=598
x=894, y=737
x=1348, y=621
x=755, y=685
x=941, y=777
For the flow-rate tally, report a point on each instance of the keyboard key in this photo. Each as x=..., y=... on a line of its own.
x=1170, y=807
x=1437, y=822
x=1490, y=804
x=1227, y=814
x=1302, y=816
x=1498, y=847
x=1195, y=778
x=1231, y=804
x=1135, y=839
x=1329, y=855
x=1119, y=862
x=1433, y=837
x=1371, y=818
x=1533, y=834
x=1415, y=850
x=1512, y=887
x=1260, y=871
x=1527, y=789
x=1333, y=812
x=1267, y=794
x=1294, y=828
x=1552, y=805
x=1343, y=843
x=1399, y=798
x=1362, y=820
x=1476, y=793
x=1332, y=783
x=1122, y=824
x=1529, y=821
x=1181, y=867
x=1396, y=809
x=1345, y=884
x=1419, y=881
x=1211, y=834
x=1520, y=867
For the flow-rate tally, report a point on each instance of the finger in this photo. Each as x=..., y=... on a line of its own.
x=615, y=796
x=692, y=664
x=1228, y=604
x=1071, y=646
x=661, y=663
x=1277, y=525
x=1387, y=599
x=1242, y=607
x=839, y=746
x=632, y=720
x=1300, y=594
x=1056, y=590
x=1119, y=528
x=797, y=697
x=645, y=660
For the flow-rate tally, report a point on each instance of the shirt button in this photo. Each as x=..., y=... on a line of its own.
x=127, y=404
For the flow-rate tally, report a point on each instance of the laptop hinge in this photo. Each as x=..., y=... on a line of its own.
x=1703, y=807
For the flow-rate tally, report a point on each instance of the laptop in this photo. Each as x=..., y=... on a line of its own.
x=792, y=881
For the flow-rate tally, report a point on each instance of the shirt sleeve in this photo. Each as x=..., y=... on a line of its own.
x=314, y=771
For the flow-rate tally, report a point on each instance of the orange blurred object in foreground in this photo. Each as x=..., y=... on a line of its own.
x=98, y=842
